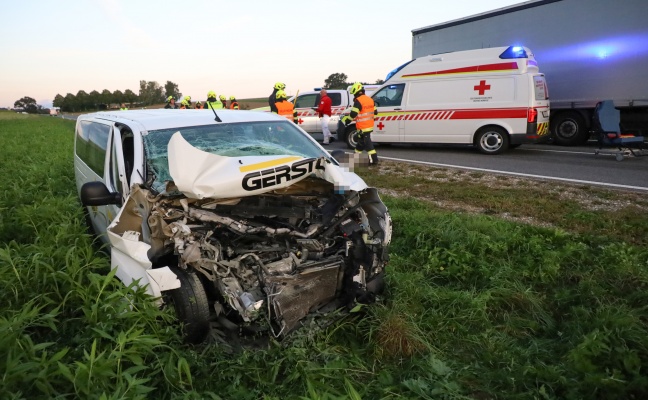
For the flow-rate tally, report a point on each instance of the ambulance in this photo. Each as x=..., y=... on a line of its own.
x=494, y=99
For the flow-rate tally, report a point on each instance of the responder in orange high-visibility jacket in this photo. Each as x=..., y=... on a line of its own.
x=273, y=97
x=363, y=111
x=233, y=103
x=284, y=107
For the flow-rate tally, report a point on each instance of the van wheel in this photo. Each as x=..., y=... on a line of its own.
x=351, y=137
x=568, y=129
x=191, y=306
x=492, y=140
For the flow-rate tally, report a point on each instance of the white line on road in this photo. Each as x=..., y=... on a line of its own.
x=640, y=188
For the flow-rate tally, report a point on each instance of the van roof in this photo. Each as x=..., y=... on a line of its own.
x=495, y=60
x=163, y=118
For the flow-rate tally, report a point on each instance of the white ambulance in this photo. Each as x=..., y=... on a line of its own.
x=494, y=99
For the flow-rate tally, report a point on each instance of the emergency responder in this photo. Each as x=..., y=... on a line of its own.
x=199, y=105
x=186, y=103
x=324, y=111
x=234, y=105
x=223, y=100
x=284, y=107
x=171, y=102
x=273, y=97
x=212, y=102
x=363, y=112
x=123, y=107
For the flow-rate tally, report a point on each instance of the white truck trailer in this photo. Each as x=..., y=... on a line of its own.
x=589, y=51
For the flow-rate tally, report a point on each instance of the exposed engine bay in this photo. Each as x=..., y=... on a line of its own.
x=267, y=261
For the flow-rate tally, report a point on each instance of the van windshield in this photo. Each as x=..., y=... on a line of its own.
x=265, y=138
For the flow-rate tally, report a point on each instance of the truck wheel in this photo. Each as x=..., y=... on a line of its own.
x=492, y=140
x=350, y=137
x=568, y=129
x=190, y=305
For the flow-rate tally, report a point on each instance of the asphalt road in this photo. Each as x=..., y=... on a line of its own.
x=572, y=164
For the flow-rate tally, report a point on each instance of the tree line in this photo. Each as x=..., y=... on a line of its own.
x=150, y=92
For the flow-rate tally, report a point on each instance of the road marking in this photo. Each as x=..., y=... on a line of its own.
x=556, y=151
x=640, y=188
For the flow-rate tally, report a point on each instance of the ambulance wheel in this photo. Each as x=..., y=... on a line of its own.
x=351, y=137
x=568, y=129
x=191, y=306
x=492, y=140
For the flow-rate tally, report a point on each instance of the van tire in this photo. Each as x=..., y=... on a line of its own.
x=568, y=129
x=350, y=137
x=492, y=140
x=190, y=305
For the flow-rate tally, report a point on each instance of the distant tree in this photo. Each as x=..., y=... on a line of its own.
x=171, y=89
x=58, y=101
x=336, y=81
x=82, y=100
x=28, y=104
x=69, y=103
x=106, y=97
x=118, y=96
x=150, y=92
x=129, y=97
x=379, y=82
x=94, y=99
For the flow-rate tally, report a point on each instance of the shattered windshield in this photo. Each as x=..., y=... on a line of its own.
x=264, y=138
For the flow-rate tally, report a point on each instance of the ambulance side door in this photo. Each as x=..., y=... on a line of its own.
x=389, y=123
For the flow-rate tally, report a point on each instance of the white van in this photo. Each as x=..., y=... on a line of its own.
x=229, y=217
x=494, y=99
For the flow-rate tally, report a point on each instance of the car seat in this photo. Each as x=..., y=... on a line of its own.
x=607, y=121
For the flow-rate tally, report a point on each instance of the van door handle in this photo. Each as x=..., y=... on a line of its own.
x=397, y=109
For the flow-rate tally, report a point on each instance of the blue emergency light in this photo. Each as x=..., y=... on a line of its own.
x=514, y=52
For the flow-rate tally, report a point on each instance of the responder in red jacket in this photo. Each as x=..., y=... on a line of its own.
x=284, y=107
x=324, y=111
x=363, y=112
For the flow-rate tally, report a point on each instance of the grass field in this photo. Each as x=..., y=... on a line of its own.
x=498, y=288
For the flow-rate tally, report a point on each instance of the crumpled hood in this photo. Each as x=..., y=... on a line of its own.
x=199, y=174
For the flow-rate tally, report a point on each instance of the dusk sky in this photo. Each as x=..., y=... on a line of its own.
x=238, y=48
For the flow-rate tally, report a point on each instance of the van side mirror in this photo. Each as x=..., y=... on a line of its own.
x=97, y=194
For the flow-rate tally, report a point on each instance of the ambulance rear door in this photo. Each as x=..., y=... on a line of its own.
x=540, y=102
x=389, y=123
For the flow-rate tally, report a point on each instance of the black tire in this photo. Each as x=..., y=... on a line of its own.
x=492, y=140
x=191, y=306
x=568, y=129
x=350, y=137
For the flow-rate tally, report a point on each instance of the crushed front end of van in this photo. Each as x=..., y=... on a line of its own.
x=251, y=249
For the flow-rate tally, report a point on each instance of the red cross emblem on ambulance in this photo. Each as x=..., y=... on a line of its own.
x=482, y=87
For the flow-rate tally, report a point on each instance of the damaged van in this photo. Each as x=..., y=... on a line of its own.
x=239, y=221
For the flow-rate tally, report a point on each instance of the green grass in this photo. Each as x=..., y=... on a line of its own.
x=497, y=288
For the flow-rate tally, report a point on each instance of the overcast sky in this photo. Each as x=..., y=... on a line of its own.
x=238, y=48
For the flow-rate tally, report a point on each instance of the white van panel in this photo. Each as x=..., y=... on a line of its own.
x=462, y=92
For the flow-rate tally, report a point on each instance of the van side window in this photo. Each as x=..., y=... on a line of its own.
x=307, y=100
x=91, y=144
x=336, y=99
x=389, y=96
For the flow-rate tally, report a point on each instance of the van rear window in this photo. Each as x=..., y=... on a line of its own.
x=540, y=88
